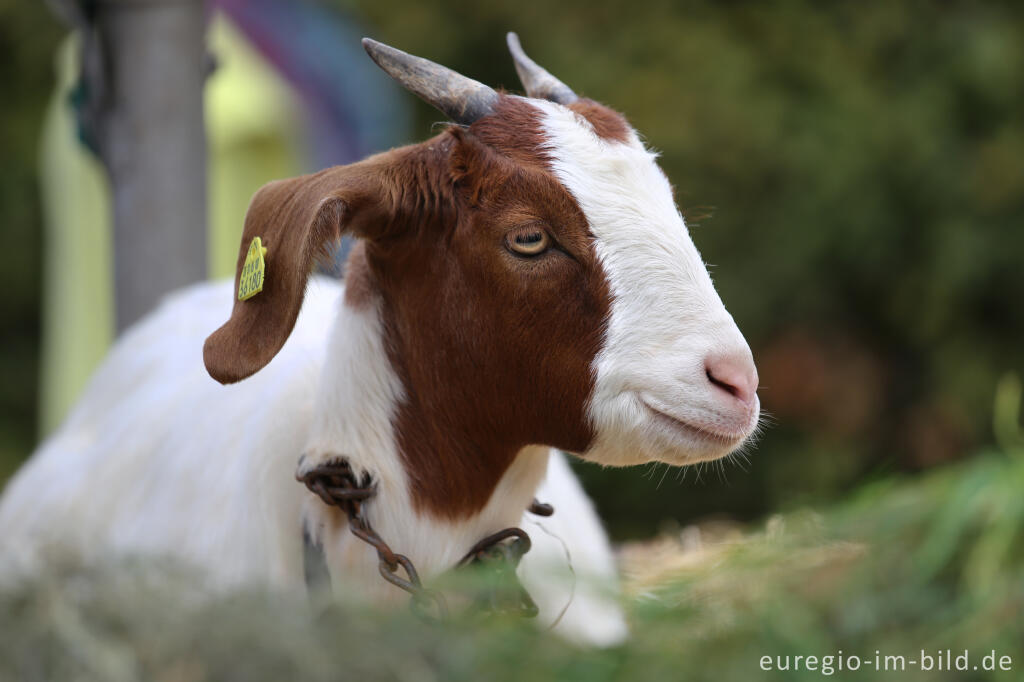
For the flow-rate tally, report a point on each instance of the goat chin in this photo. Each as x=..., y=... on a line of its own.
x=159, y=460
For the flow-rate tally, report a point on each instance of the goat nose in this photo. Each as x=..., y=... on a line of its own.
x=733, y=373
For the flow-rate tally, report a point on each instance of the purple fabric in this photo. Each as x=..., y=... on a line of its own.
x=352, y=110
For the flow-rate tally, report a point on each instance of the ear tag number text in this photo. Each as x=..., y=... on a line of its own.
x=250, y=282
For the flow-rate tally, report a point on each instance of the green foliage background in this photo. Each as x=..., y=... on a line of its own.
x=853, y=170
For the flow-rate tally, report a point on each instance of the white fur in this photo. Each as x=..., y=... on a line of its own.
x=666, y=317
x=570, y=571
x=158, y=459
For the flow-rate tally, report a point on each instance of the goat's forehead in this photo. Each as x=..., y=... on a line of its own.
x=519, y=131
x=615, y=180
x=639, y=235
x=596, y=157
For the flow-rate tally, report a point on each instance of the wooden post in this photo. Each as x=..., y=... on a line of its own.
x=152, y=141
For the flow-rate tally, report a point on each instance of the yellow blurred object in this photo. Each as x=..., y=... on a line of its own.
x=78, y=287
x=254, y=130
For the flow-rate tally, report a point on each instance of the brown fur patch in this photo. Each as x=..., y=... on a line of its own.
x=514, y=131
x=360, y=289
x=608, y=124
x=494, y=350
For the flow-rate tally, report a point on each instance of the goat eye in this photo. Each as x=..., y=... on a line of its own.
x=529, y=241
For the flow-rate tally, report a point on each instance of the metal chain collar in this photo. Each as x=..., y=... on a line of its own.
x=336, y=485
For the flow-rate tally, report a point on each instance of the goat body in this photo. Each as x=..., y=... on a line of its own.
x=522, y=282
x=159, y=460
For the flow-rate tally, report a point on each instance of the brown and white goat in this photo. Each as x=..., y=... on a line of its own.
x=522, y=282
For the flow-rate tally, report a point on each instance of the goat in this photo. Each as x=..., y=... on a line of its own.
x=522, y=283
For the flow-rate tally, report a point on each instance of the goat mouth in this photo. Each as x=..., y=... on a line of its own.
x=693, y=431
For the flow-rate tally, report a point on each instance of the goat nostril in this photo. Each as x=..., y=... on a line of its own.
x=735, y=375
x=728, y=388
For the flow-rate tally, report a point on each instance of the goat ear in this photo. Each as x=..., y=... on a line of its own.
x=297, y=220
x=471, y=162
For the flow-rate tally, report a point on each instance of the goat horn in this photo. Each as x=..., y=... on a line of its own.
x=461, y=99
x=535, y=78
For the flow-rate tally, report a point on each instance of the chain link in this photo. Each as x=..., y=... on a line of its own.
x=336, y=485
x=507, y=596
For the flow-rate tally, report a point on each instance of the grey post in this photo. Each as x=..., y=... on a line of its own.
x=149, y=121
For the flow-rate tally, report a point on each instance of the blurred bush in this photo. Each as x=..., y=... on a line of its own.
x=853, y=167
x=917, y=564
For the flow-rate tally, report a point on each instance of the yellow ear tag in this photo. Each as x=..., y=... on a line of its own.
x=251, y=281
